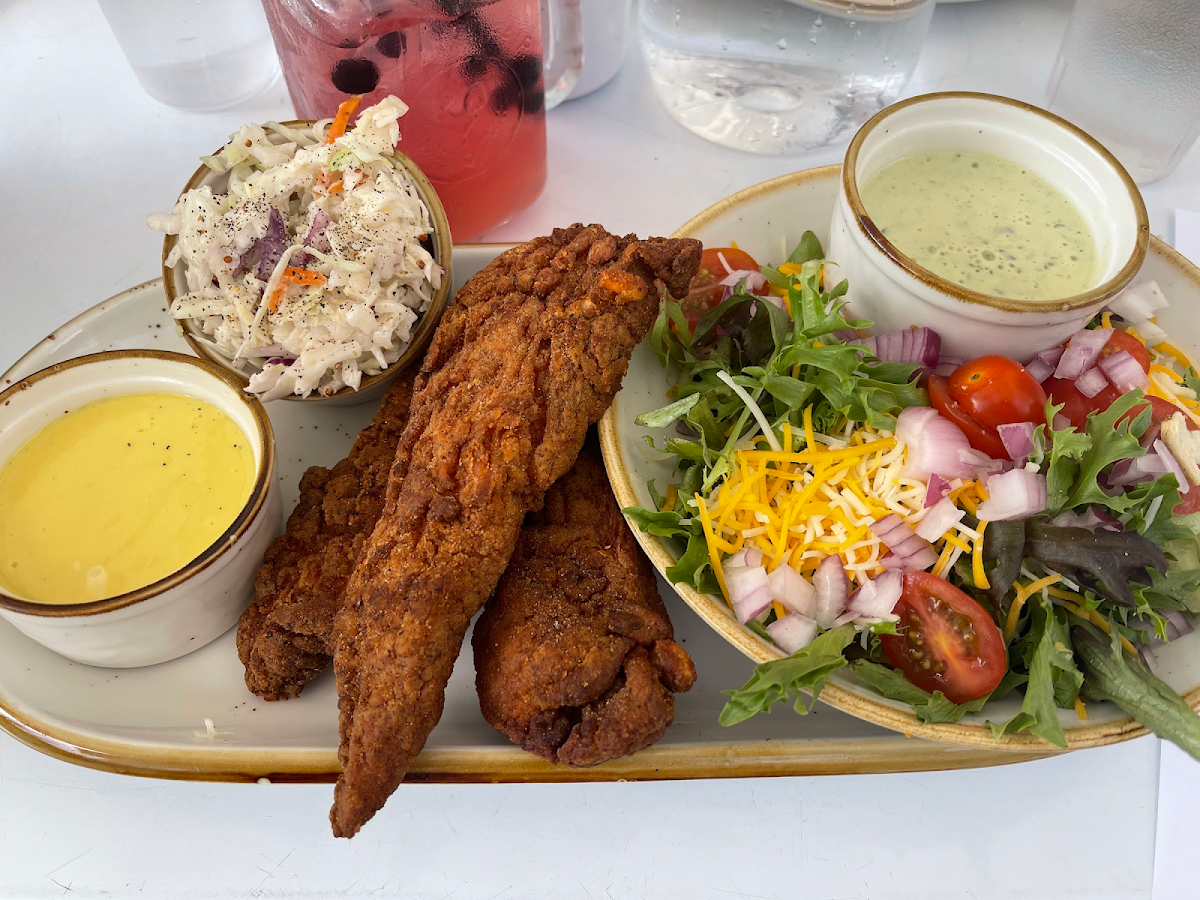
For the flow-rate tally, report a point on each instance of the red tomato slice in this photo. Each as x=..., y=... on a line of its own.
x=706, y=288
x=947, y=642
x=996, y=390
x=982, y=439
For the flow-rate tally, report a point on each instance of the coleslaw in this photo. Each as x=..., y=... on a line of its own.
x=314, y=266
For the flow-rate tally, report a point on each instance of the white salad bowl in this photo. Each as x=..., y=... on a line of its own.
x=767, y=221
x=895, y=292
x=201, y=601
x=372, y=387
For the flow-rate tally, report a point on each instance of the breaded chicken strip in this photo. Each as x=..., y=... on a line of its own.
x=285, y=637
x=530, y=353
x=574, y=656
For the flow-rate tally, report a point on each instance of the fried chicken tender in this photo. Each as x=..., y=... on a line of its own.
x=530, y=353
x=574, y=656
x=285, y=637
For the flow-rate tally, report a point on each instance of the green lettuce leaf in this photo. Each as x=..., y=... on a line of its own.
x=773, y=682
x=930, y=709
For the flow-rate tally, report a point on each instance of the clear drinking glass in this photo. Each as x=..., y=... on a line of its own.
x=1129, y=74
x=471, y=72
x=780, y=76
x=195, y=54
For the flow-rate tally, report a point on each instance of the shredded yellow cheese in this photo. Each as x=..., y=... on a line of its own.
x=672, y=496
x=977, y=573
x=1080, y=710
x=1024, y=592
x=713, y=556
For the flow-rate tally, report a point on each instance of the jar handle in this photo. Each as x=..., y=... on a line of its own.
x=562, y=48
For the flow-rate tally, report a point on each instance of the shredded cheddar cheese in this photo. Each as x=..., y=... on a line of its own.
x=799, y=506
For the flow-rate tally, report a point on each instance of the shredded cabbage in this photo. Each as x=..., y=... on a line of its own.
x=364, y=239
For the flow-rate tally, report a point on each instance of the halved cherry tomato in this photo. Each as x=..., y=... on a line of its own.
x=996, y=390
x=706, y=288
x=946, y=642
x=982, y=439
x=1075, y=405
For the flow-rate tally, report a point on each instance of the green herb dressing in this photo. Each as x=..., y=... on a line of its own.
x=984, y=222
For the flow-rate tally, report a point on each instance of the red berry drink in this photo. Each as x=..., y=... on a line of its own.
x=470, y=71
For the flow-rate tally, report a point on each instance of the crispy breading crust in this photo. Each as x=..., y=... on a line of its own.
x=285, y=637
x=530, y=353
x=574, y=654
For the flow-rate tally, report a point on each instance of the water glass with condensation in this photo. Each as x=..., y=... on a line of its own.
x=195, y=54
x=780, y=76
x=1129, y=74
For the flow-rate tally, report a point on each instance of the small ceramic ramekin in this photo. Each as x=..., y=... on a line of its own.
x=372, y=387
x=894, y=291
x=188, y=608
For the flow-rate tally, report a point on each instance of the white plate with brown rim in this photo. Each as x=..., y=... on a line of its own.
x=151, y=721
x=767, y=220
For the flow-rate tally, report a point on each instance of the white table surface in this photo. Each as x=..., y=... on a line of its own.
x=87, y=154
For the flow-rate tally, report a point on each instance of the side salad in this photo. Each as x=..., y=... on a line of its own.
x=953, y=531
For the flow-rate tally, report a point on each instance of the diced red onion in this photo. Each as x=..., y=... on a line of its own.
x=1172, y=465
x=945, y=369
x=1123, y=371
x=754, y=279
x=1017, y=438
x=914, y=346
x=1050, y=356
x=792, y=632
x=1091, y=382
x=1178, y=624
x=1039, y=369
x=944, y=516
x=848, y=336
x=937, y=488
x=876, y=598
x=978, y=460
x=1016, y=494
x=833, y=589
x=1135, y=471
x=747, y=556
x=1061, y=422
x=749, y=591
x=933, y=444
x=1081, y=352
x=915, y=554
x=791, y=591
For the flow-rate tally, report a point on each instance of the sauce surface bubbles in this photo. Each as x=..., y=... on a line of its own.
x=983, y=222
x=118, y=494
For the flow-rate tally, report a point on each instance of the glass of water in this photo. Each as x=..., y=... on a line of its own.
x=780, y=76
x=1129, y=74
x=195, y=54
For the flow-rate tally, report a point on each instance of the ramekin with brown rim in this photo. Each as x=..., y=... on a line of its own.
x=888, y=287
x=192, y=606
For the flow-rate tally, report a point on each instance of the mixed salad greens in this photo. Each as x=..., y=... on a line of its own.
x=952, y=531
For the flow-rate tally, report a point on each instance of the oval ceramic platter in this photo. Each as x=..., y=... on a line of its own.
x=152, y=721
x=767, y=220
